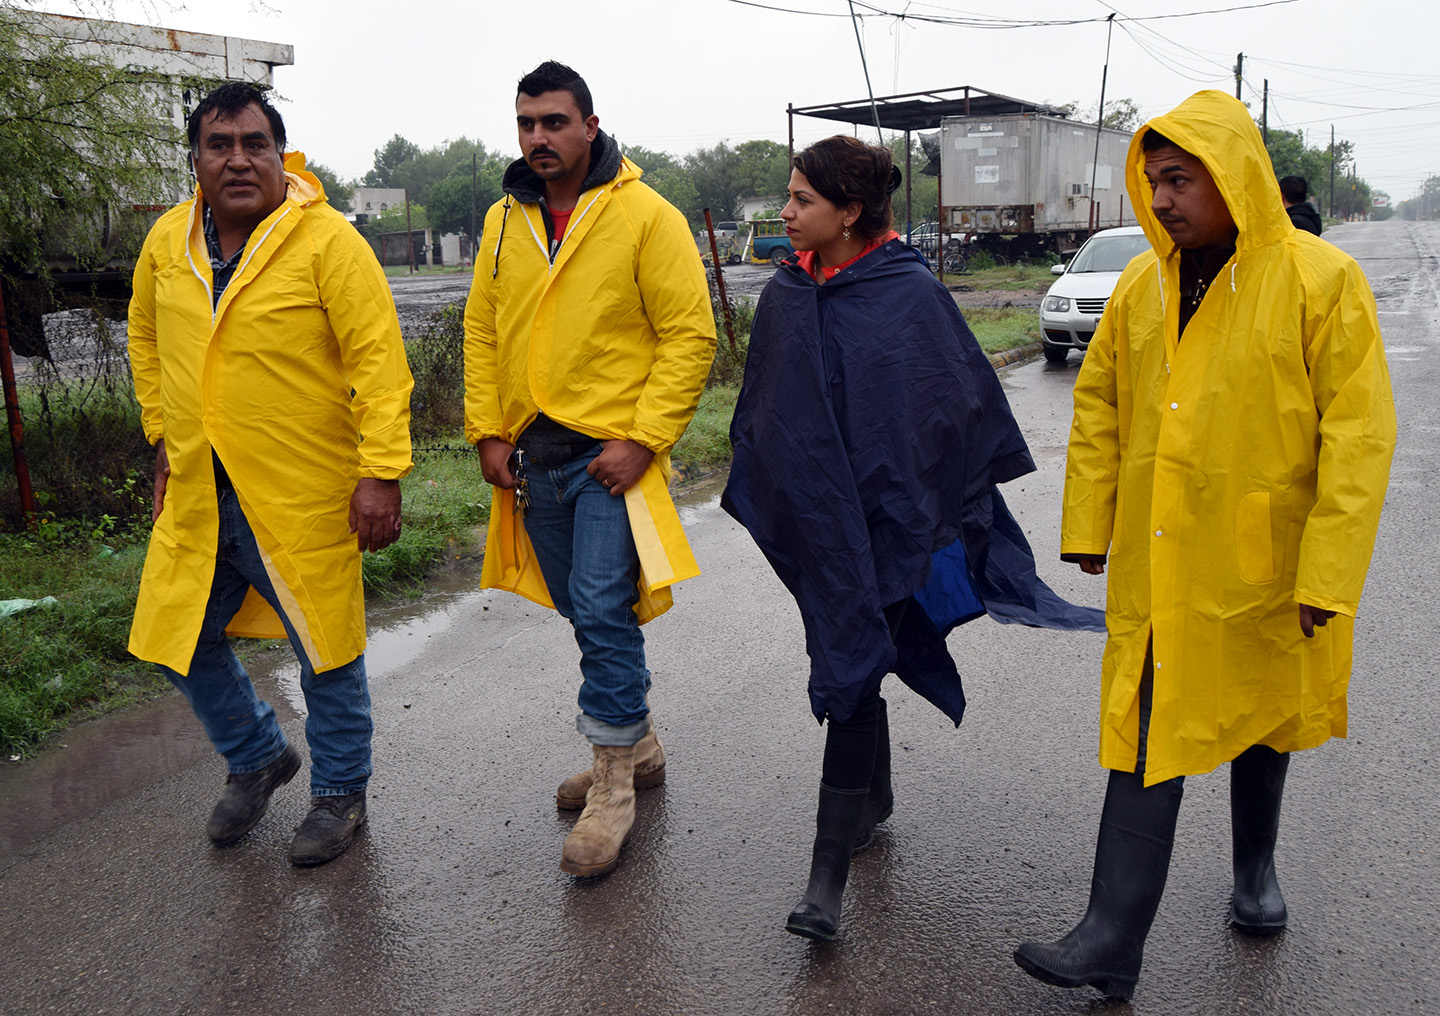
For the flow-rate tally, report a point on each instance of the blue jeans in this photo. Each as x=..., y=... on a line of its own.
x=240, y=725
x=581, y=535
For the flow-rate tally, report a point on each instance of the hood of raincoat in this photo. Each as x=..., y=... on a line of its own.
x=1215, y=128
x=868, y=437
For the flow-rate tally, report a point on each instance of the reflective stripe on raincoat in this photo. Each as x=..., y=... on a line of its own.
x=1230, y=476
x=266, y=381
x=614, y=340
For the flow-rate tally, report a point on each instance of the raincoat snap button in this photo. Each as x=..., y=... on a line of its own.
x=1174, y=405
x=1159, y=532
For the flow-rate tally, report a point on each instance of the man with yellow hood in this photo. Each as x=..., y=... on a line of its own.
x=1229, y=457
x=588, y=337
x=272, y=381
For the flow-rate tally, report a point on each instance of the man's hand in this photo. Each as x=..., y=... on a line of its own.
x=162, y=477
x=375, y=513
x=1090, y=564
x=1312, y=618
x=495, y=461
x=620, y=465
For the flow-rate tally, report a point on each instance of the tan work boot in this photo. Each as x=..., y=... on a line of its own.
x=593, y=846
x=649, y=772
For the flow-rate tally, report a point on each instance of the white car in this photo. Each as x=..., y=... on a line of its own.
x=1073, y=306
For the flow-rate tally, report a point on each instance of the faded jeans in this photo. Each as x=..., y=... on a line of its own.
x=242, y=726
x=582, y=540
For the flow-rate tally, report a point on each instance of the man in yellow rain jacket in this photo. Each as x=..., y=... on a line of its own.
x=272, y=381
x=588, y=337
x=1230, y=453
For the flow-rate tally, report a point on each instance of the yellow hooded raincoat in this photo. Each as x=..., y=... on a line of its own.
x=614, y=339
x=1232, y=475
x=266, y=380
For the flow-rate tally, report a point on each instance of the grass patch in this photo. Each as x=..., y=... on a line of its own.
x=1000, y=328
x=445, y=502
x=1006, y=277
x=705, y=445
x=68, y=661
x=393, y=270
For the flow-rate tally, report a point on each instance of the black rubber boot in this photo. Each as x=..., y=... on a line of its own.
x=836, y=823
x=1132, y=859
x=1257, y=782
x=881, y=802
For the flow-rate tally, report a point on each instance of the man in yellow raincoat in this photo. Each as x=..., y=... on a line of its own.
x=588, y=337
x=272, y=381
x=1230, y=452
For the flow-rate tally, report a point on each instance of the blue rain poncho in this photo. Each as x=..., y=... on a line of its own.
x=869, y=436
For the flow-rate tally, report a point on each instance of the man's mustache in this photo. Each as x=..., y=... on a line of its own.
x=535, y=153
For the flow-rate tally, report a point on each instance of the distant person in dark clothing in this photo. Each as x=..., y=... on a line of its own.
x=1293, y=191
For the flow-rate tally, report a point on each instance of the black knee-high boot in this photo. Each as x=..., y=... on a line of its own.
x=836, y=823
x=881, y=801
x=1132, y=859
x=1257, y=782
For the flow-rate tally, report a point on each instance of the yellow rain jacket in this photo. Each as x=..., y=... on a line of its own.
x=266, y=380
x=1230, y=476
x=614, y=340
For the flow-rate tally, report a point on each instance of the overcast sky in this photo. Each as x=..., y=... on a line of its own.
x=682, y=74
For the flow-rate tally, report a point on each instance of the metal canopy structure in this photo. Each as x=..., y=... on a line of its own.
x=916, y=111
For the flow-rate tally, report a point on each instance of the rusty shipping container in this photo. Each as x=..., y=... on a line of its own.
x=1025, y=180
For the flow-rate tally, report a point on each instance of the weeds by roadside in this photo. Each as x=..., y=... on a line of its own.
x=67, y=661
x=1000, y=328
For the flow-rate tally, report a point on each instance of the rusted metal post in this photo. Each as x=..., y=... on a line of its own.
x=720, y=280
x=17, y=426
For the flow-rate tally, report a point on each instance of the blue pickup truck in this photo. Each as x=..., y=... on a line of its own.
x=768, y=242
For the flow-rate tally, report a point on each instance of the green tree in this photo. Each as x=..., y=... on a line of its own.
x=393, y=221
x=427, y=167
x=387, y=158
x=450, y=199
x=1120, y=114
x=86, y=149
x=923, y=189
x=668, y=176
x=1425, y=205
x=337, y=192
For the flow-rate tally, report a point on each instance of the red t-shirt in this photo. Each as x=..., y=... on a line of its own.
x=561, y=220
x=806, y=258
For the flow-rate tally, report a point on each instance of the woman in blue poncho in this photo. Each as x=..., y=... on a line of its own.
x=869, y=436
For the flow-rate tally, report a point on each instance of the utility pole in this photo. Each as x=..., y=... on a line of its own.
x=1265, y=115
x=409, y=240
x=1239, y=72
x=1332, y=170
x=474, y=235
x=1099, y=125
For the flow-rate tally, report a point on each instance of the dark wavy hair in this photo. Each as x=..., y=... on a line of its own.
x=844, y=169
x=231, y=98
x=551, y=76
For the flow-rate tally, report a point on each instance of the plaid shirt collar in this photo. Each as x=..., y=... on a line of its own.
x=218, y=261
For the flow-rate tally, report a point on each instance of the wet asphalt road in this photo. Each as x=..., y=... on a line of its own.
x=452, y=902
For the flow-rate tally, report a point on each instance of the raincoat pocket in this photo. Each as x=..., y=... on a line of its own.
x=1254, y=549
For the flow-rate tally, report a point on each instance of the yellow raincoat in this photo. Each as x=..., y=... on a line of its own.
x=1230, y=476
x=614, y=340
x=266, y=381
